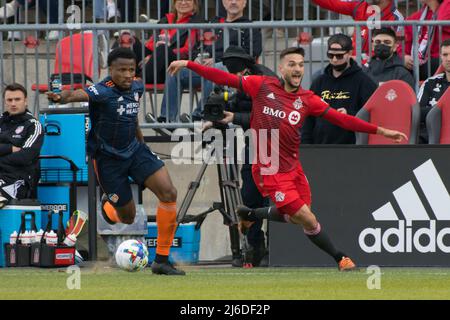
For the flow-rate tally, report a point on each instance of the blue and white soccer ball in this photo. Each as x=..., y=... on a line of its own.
x=132, y=255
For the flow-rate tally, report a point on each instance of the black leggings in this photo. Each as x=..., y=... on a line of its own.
x=253, y=199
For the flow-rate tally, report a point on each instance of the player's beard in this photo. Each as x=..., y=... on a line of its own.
x=291, y=84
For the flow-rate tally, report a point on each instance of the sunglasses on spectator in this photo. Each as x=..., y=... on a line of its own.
x=338, y=56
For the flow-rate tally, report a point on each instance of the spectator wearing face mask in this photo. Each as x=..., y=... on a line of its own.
x=364, y=10
x=385, y=64
x=344, y=86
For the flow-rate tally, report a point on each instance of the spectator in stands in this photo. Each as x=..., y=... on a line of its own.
x=274, y=12
x=127, y=9
x=163, y=10
x=344, y=86
x=127, y=39
x=433, y=10
x=432, y=90
x=183, y=11
x=11, y=9
x=21, y=139
x=385, y=64
x=106, y=10
x=361, y=11
x=249, y=39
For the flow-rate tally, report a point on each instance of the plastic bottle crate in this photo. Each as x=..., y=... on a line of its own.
x=10, y=219
x=185, y=247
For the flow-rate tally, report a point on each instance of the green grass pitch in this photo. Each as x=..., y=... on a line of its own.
x=103, y=282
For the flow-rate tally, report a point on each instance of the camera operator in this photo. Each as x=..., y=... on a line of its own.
x=237, y=61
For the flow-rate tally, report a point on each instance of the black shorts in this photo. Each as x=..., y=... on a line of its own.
x=113, y=174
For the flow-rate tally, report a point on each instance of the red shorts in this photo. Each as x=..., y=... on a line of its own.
x=288, y=190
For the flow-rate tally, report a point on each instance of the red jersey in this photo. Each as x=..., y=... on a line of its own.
x=277, y=116
x=442, y=13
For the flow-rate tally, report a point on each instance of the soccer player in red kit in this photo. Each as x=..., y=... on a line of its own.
x=280, y=107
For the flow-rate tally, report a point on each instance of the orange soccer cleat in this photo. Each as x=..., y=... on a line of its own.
x=346, y=264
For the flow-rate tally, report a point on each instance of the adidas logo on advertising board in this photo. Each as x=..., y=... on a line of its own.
x=404, y=238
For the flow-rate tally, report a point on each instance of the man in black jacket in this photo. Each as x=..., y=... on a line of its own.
x=344, y=86
x=237, y=61
x=21, y=139
x=433, y=89
x=386, y=64
x=249, y=39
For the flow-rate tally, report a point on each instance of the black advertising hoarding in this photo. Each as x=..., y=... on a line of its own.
x=382, y=205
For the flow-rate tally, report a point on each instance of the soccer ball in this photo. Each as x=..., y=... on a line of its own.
x=132, y=255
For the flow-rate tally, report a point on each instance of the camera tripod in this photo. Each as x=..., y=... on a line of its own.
x=230, y=198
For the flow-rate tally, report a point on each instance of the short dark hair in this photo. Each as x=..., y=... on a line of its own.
x=292, y=50
x=15, y=87
x=388, y=31
x=343, y=40
x=445, y=43
x=125, y=53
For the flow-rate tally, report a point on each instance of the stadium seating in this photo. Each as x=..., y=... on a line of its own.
x=159, y=88
x=394, y=106
x=438, y=121
x=74, y=60
x=151, y=89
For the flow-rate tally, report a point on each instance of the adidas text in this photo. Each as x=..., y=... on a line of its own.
x=405, y=239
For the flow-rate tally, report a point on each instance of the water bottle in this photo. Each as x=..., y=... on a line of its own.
x=26, y=238
x=55, y=87
x=70, y=240
x=51, y=238
x=56, y=84
x=21, y=235
x=13, y=237
x=32, y=236
x=39, y=235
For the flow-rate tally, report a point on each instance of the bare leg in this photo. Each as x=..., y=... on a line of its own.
x=161, y=185
x=127, y=213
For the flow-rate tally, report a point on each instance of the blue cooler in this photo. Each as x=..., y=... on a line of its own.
x=54, y=197
x=185, y=246
x=65, y=135
x=10, y=219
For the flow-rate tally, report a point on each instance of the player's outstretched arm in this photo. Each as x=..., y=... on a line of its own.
x=352, y=123
x=394, y=135
x=68, y=96
x=217, y=76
